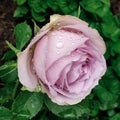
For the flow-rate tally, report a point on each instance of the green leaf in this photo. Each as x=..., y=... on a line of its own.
x=23, y=33
x=8, y=71
x=27, y=105
x=111, y=112
x=94, y=108
x=108, y=92
x=79, y=11
x=116, y=65
x=67, y=6
x=68, y=111
x=103, y=94
x=7, y=93
x=108, y=49
x=52, y=4
x=9, y=55
x=115, y=117
x=15, y=50
x=116, y=47
x=20, y=11
x=38, y=16
x=110, y=30
x=37, y=5
x=117, y=19
x=95, y=25
x=20, y=2
x=114, y=84
x=99, y=7
x=36, y=28
x=5, y=114
x=106, y=99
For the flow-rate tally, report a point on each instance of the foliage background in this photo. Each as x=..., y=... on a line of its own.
x=104, y=101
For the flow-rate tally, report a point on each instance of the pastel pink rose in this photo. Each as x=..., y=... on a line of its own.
x=65, y=58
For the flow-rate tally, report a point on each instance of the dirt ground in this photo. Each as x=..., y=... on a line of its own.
x=7, y=22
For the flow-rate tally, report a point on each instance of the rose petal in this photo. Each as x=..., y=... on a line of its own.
x=75, y=23
x=25, y=71
x=63, y=76
x=77, y=87
x=58, y=66
x=74, y=73
x=62, y=43
x=39, y=58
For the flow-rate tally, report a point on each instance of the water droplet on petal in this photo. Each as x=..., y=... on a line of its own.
x=58, y=52
x=60, y=37
x=59, y=44
x=73, y=43
x=71, y=38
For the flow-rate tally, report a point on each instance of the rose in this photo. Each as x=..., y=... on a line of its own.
x=65, y=58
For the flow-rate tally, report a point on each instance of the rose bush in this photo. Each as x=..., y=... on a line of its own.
x=65, y=58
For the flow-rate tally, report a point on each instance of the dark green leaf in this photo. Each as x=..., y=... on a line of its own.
x=111, y=112
x=27, y=104
x=117, y=19
x=116, y=65
x=37, y=5
x=23, y=34
x=68, y=111
x=116, y=47
x=103, y=94
x=9, y=55
x=20, y=11
x=95, y=25
x=115, y=117
x=8, y=71
x=52, y=4
x=15, y=50
x=111, y=30
x=5, y=114
x=37, y=16
x=111, y=83
x=99, y=7
x=36, y=28
x=108, y=92
x=66, y=7
x=6, y=93
x=20, y=2
x=94, y=108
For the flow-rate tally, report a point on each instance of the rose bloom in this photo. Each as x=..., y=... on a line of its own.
x=65, y=58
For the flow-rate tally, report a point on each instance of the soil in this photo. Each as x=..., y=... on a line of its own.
x=115, y=6
x=7, y=22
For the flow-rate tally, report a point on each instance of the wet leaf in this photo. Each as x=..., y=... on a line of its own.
x=23, y=33
x=5, y=114
x=27, y=104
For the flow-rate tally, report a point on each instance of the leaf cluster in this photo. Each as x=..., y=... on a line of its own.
x=40, y=10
